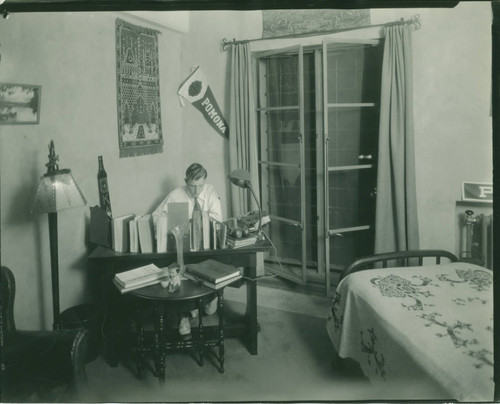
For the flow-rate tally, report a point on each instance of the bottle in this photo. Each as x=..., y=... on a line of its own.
x=102, y=182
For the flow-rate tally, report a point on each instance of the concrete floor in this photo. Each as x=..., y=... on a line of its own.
x=294, y=363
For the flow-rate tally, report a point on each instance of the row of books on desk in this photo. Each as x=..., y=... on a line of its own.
x=209, y=273
x=136, y=233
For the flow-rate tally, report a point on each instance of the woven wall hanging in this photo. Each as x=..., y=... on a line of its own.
x=138, y=90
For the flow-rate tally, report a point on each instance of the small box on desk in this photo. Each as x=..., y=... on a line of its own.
x=100, y=227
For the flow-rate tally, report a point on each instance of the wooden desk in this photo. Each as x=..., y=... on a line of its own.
x=105, y=262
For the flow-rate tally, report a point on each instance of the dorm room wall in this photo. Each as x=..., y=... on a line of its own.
x=72, y=56
x=452, y=110
x=452, y=106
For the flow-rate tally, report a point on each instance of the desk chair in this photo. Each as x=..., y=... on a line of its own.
x=39, y=363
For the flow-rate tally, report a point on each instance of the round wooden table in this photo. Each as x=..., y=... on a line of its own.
x=188, y=297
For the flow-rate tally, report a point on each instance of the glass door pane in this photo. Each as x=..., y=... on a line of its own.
x=281, y=120
x=351, y=96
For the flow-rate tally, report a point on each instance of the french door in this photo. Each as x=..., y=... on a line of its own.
x=280, y=109
x=351, y=93
x=318, y=128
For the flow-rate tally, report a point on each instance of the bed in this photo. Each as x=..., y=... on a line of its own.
x=418, y=318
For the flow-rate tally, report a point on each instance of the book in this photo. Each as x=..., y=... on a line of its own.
x=120, y=233
x=211, y=285
x=212, y=271
x=133, y=234
x=241, y=242
x=100, y=227
x=145, y=231
x=161, y=233
x=178, y=213
x=138, y=275
x=205, y=227
x=220, y=233
x=124, y=289
x=213, y=234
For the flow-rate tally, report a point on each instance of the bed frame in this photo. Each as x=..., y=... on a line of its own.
x=400, y=258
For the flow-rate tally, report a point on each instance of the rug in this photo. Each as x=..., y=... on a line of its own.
x=138, y=90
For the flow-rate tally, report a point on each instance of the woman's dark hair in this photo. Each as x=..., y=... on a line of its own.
x=195, y=171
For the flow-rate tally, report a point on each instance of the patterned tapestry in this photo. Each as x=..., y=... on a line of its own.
x=288, y=22
x=138, y=90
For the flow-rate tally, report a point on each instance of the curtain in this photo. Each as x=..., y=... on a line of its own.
x=396, y=226
x=242, y=127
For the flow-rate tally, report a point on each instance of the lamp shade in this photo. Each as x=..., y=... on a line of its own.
x=57, y=191
x=240, y=177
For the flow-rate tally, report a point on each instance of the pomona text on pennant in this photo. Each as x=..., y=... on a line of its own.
x=196, y=90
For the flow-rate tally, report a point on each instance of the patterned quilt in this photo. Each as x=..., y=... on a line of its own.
x=433, y=323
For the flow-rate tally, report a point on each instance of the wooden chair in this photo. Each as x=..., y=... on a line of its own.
x=39, y=364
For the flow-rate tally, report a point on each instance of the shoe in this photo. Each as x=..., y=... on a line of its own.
x=211, y=308
x=185, y=328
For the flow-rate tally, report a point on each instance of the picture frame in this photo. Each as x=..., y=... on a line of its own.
x=477, y=191
x=19, y=104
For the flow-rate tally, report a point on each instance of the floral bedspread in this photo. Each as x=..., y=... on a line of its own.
x=433, y=322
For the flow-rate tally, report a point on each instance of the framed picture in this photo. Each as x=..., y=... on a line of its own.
x=477, y=191
x=19, y=104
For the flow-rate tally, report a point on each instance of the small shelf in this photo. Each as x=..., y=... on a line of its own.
x=475, y=203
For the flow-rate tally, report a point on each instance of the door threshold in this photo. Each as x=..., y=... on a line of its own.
x=315, y=284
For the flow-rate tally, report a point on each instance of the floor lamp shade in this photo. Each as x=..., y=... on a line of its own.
x=57, y=191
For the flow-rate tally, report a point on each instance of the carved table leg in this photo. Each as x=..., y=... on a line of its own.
x=140, y=347
x=200, y=345
x=159, y=344
x=220, y=303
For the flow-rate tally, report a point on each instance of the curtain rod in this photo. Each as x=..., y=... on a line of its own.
x=415, y=21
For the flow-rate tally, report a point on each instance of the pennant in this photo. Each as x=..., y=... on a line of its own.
x=196, y=91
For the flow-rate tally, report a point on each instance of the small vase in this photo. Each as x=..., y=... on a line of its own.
x=179, y=232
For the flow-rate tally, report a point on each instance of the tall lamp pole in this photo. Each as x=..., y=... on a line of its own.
x=57, y=191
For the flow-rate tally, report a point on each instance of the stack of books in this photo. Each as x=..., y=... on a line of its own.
x=212, y=274
x=139, y=277
x=241, y=242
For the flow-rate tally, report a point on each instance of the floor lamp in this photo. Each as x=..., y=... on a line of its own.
x=241, y=178
x=57, y=191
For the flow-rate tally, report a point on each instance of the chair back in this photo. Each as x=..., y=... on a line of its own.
x=8, y=292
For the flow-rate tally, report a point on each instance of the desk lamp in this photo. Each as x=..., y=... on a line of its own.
x=57, y=191
x=241, y=178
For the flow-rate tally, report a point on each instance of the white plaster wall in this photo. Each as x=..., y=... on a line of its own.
x=452, y=106
x=72, y=55
x=202, y=48
x=452, y=109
